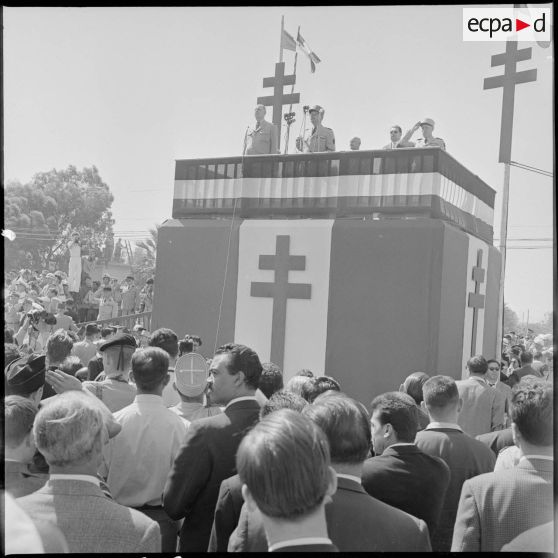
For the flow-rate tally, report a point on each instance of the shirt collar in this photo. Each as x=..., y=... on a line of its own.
x=533, y=456
x=299, y=542
x=479, y=379
x=350, y=477
x=86, y=478
x=434, y=424
x=148, y=398
x=243, y=398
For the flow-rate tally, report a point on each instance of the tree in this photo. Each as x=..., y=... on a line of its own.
x=150, y=245
x=145, y=255
x=44, y=212
x=511, y=320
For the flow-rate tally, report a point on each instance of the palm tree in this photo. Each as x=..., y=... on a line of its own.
x=150, y=245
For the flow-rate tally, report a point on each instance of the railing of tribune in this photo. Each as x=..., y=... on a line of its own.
x=129, y=321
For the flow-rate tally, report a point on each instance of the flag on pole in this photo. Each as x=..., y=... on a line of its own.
x=308, y=51
x=287, y=41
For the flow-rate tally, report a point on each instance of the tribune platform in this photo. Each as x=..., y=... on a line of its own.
x=362, y=265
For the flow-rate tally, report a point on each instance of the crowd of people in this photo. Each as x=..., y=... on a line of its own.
x=37, y=303
x=131, y=441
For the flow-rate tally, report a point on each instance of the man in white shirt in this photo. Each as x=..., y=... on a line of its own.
x=85, y=350
x=138, y=461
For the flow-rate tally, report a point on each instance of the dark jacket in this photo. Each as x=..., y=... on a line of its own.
x=206, y=458
x=408, y=479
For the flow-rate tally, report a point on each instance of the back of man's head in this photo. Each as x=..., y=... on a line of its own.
x=477, y=365
x=106, y=332
x=58, y=346
x=526, y=358
x=282, y=400
x=346, y=424
x=399, y=410
x=284, y=462
x=243, y=359
x=165, y=339
x=70, y=430
x=70, y=365
x=314, y=386
x=91, y=330
x=413, y=385
x=440, y=393
x=19, y=415
x=150, y=368
x=532, y=410
x=271, y=379
x=294, y=385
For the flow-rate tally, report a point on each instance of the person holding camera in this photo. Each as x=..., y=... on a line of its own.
x=322, y=138
x=262, y=139
x=74, y=269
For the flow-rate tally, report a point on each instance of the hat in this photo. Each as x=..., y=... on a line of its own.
x=138, y=327
x=191, y=374
x=119, y=340
x=130, y=277
x=105, y=275
x=428, y=121
x=316, y=108
x=25, y=375
x=150, y=281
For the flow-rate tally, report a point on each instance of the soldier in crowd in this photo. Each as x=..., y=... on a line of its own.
x=263, y=138
x=321, y=139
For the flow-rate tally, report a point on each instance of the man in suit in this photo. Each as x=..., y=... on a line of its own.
x=19, y=414
x=356, y=522
x=443, y=437
x=70, y=431
x=230, y=500
x=207, y=456
x=284, y=466
x=401, y=475
x=483, y=407
x=526, y=369
x=263, y=138
x=497, y=507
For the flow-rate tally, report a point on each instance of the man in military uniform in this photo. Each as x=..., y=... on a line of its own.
x=322, y=138
x=428, y=140
x=262, y=139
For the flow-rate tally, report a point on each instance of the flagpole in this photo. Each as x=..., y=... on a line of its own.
x=292, y=91
x=281, y=41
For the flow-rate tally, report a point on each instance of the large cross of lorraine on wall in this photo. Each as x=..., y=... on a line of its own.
x=476, y=300
x=281, y=290
x=278, y=99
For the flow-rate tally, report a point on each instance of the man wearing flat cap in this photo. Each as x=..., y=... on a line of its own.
x=116, y=391
x=262, y=139
x=427, y=140
x=321, y=139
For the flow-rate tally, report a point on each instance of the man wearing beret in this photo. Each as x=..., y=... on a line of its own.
x=116, y=391
x=25, y=376
x=428, y=140
x=322, y=138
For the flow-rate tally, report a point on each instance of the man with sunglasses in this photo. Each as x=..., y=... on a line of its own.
x=395, y=134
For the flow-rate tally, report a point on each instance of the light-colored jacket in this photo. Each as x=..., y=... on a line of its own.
x=89, y=520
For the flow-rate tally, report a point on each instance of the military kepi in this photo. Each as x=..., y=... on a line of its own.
x=25, y=375
x=119, y=340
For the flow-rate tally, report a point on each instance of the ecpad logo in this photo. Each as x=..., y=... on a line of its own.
x=503, y=24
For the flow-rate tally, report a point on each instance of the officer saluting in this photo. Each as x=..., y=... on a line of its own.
x=322, y=138
x=261, y=140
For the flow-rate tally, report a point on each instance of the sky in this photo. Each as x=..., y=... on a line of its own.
x=130, y=90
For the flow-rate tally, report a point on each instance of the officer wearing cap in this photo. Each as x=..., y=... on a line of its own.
x=262, y=139
x=116, y=391
x=25, y=377
x=428, y=140
x=321, y=139
x=191, y=375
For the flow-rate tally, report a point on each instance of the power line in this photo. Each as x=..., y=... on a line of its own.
x=531, y=169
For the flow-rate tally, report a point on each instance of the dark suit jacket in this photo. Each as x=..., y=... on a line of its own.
x=525, y=370
x=356, y=522
x=206, y=458
x=466, y=458
x=227, y=512
x=20, y=481
x=408, y=479
x=497, y=440
x=496, y=507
